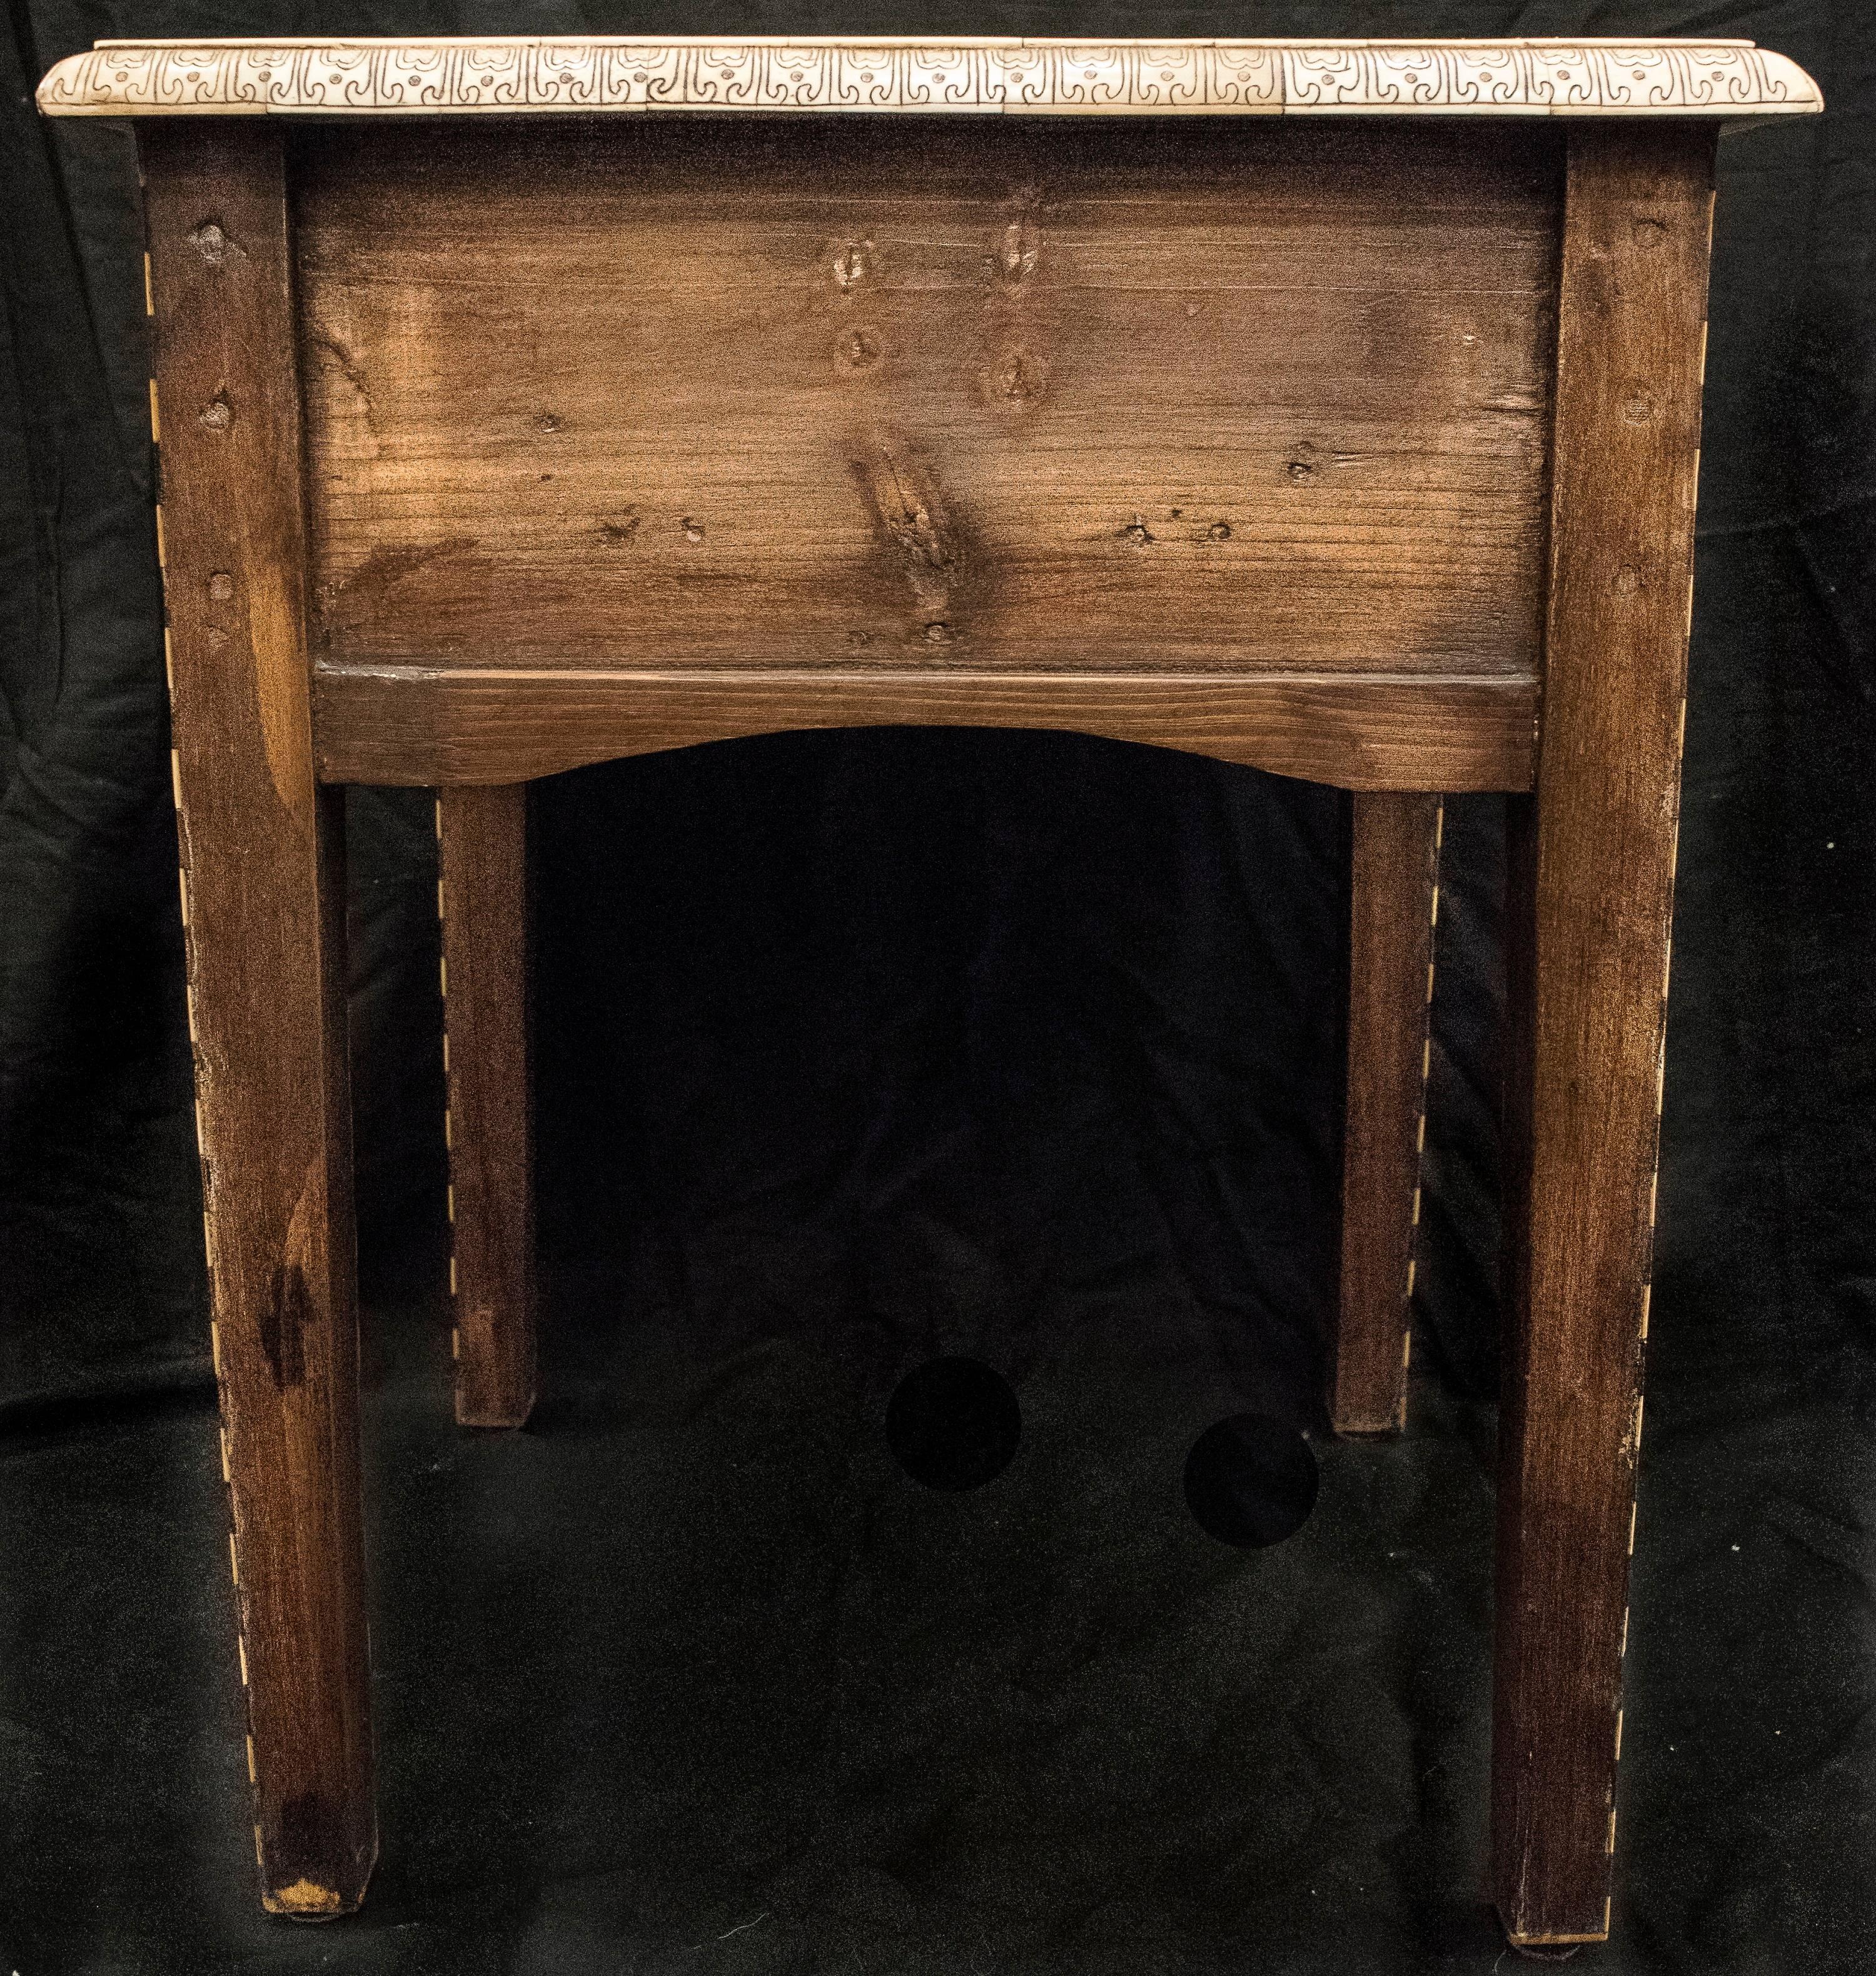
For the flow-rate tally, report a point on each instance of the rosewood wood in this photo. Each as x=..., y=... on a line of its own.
x=263, y=886
x=1590, y=905
x=1394, y=895
x=481, y=897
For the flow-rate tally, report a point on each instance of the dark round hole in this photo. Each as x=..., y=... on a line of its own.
x=953, y=1423
x=1250, y=1481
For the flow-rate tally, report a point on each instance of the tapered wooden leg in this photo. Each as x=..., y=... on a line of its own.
x=1592, y=882
x=263, y=901
x=483, y=898
x=1394, y=900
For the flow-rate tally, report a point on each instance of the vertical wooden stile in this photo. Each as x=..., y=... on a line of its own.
x=1393, y=891
x=263, y=881
x=1589, y=898
x=482, y=899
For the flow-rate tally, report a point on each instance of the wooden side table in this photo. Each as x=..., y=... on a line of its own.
x=1330, y=407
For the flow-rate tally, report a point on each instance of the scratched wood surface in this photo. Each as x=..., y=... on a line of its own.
x=907, y=395
x=1590, y=901
x=482, y=898
x=628, y=436
x=264, y=891
x=1361, y=731
x=1393, y=876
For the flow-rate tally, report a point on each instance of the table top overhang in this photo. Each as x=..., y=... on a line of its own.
x=526, y=76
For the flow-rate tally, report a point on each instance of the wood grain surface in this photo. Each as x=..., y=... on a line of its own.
x=1589, y=907
x=1238, y=438
x=263, y=886
x=1394, y=878
x=482, y=898
x=865, y=393
x=409, y=724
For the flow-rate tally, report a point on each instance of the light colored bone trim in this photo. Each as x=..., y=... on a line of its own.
x=523, y=76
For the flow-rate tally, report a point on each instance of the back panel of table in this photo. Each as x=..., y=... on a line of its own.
x=903, y=393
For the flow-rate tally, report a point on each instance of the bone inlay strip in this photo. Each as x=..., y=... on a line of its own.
x=1531, y=77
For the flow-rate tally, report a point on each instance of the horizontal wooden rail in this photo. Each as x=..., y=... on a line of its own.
x=1360, y=731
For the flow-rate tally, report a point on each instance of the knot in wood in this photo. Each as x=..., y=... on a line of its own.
x=1022, y=379
x=1019, y=250
x=860, y=349
x=917, y=534
x=213, y=245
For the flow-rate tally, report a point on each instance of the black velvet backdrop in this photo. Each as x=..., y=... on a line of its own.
x=857, y=1048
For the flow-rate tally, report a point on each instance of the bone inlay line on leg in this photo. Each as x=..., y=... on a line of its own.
x=1420, y=1129
x=443, y=980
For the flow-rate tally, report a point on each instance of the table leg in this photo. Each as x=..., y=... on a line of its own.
x=482, y=899
x=263, y=902
x=1393, y=902
x=1590, y=899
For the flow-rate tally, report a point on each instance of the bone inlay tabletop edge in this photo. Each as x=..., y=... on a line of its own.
x=585, y=73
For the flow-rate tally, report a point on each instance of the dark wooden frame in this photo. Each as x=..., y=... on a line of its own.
x=261, y=739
